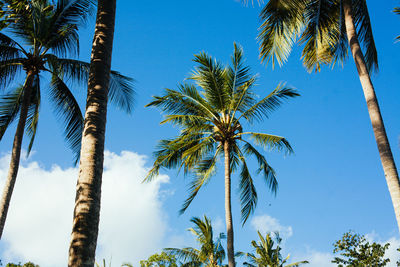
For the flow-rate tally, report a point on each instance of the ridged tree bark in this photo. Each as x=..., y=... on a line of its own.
x=228, y=207
x=385, y=153
x=16, y=152
x=88, y=189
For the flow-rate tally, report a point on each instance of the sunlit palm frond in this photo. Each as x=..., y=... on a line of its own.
x=318, y=36
x=269, y=103
x=282, y=21
x=272, y=142
x=210, y=76
x=237, y=73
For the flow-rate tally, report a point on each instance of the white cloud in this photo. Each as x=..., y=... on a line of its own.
x=266, y=224
x=40, y=216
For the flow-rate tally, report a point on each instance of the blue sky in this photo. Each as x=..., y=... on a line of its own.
x=333, y=183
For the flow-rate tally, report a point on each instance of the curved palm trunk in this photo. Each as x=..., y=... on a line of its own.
x=385, y=152
x=88, y=189
x=228, y=208
x=16, y=152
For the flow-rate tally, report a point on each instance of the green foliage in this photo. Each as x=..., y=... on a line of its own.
x=28, y=264
x=50, y=31
x=267, y=253
x=210, y=113
x=355, y=251
x=9, y=10
x=159, y=260
x=319, y=26
x=210, y=254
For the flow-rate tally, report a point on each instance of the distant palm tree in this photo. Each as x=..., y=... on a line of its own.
x=267, y=255
x=210, y=119
x=328, y=28
x=47, y=33
x=210, y=254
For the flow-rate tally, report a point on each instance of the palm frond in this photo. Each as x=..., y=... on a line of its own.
x=185, y=254
x=61, y=35
x=296, y=264
x=185, y=101
x=237, y=73
x=9, y=69
x=209, y=75
x=9, y=107
x=32, y=120
x=196, y=184
x=68, y=109
x=120, y=91
x=248, y=193
x=282, y=21
x=364, y=34
x=263, y=167
x=317, y=37
x=269, y=103
x=272, y=142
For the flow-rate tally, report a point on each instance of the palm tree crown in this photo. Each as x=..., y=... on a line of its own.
x=268, y=253
x=211, y=116
x=50, y=32
x=210, y=254
x=319, y=26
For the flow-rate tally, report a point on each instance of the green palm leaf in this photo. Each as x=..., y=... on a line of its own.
x=68, y=109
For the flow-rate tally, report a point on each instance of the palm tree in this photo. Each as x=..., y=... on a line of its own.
x=210, y=254
x=47, y=33
x=267, y=254
x=327, y=28
x=210, y=119
x=88, y=190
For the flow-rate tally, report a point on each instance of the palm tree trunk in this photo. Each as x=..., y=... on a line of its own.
x=389, y=167
x=16, y=152
x=88, y=189
x=228, y=206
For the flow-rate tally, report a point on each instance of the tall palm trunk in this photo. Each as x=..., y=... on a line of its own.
x=16, y=151
x=385, y=152
x=228, y=208
x=88, y=189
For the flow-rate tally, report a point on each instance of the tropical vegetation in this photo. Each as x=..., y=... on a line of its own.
x=328, y=30
x=210, y=254
x=268, y=253
x=44, y=35
x=355, y=250
x=215, y=110
x=210, y=117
